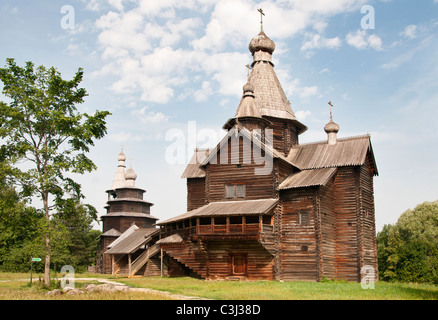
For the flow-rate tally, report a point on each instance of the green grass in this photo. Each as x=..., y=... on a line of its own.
x=263, y=290
x=16, y=289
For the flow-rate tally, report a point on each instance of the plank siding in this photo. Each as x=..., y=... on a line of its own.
x=328, y=230
x=367, y=217
x=259, y=263
x=284, y=134
x=195, y=193
x=298, y=245
x=347, y=264
x=239, y=169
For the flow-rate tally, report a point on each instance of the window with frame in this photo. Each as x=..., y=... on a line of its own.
x=235, y=191
x=303, y=219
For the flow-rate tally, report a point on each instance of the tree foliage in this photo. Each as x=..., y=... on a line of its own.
x=44, y=137
x=408, y=250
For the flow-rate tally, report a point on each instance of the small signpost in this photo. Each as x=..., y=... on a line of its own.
x=32, y=260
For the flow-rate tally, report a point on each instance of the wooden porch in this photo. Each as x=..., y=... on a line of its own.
x=215, y=228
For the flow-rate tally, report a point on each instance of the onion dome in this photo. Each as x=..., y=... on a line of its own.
x=331, y=127
x=130, y=174
x=121, y=156
x=261, y=42
x=247, y=106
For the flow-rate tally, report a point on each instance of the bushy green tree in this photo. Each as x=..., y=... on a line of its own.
x=408, y=250
x=41, y=126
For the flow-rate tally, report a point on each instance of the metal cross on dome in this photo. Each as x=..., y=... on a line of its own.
x=261, y=18
x=249, y=68
x=331, y=106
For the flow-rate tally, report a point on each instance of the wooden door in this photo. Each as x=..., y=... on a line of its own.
x=238, y=264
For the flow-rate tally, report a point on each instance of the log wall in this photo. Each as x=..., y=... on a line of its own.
x=368, y=247
x=259, y=263
x=298, y=243
x=328, y=230
x=346, y=208
x=195, y=193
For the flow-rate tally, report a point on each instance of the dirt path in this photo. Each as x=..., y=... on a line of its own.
x=124, y=287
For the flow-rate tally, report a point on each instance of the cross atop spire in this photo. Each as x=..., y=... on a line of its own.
x=331, y=106
x=249, y=68
x=261, y=18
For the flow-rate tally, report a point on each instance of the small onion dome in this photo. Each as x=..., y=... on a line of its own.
x=248, y=89
x=130, y=174
x=261, y=42
x=121, y=156
x=331, y=127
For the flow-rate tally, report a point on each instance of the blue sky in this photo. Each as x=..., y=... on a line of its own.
x=165, y=65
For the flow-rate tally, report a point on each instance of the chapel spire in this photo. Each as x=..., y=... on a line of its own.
x=119, y=178
x=331, y=128
x=269, y=96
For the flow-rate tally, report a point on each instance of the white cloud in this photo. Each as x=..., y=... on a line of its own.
x=302, y=115
x=360, y=40
x=408, y=55
x=293, y=88
x=410, y=31
x=123, y=136
x=153, y=50
x=318, y=42
x=149, y=117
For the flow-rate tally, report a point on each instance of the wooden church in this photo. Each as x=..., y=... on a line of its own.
x=260, y=205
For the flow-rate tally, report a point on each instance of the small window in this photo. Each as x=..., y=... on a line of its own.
x=229, y=191
x=304, y=219
x=304, y=248
x=235, y=191
x=240, y=191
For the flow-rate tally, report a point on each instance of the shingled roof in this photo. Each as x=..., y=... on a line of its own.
x=227, y=208
x=346, y=152
x=133, y=241
x=268, y=93
x=308, y=178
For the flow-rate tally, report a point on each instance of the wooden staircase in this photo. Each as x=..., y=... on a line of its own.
x=267, y=240
x=190, y=255
x=143, y=258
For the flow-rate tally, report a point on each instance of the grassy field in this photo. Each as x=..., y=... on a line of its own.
x=16, y=288
x=263, y=290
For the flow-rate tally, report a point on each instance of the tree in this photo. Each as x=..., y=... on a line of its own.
x=408, y=250
x=75, y=219
x=42, y=127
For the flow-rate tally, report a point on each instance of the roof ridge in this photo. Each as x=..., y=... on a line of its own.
x=362, y=136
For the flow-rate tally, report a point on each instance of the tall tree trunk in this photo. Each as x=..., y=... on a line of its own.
x=48, y=248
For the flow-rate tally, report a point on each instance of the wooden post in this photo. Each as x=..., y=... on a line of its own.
x=228, y=226
x=112, y=264
x=197, y=225
x=129, y=264
x=243, y=224
x=212, y=225
x=260, y=224
x=161, y=262
x=190, y=227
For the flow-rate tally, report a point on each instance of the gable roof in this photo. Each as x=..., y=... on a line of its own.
x=133, y=241
x=111, y=233
x=194, y=168
x=307, y=178
x=202, y=157
x=346, y=152
x=249, y=135
x=227, y=208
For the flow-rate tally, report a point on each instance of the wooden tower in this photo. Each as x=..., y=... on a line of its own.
x=125, y=208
